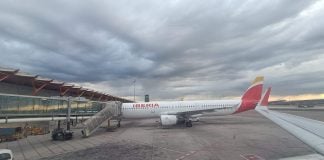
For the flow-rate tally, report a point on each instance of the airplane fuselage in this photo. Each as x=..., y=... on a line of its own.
x=156, y=109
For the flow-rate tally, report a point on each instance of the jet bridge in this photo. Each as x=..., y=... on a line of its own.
x=112, y=110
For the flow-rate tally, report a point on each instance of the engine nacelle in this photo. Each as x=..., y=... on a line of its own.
x=195, y=119
x=168, y=120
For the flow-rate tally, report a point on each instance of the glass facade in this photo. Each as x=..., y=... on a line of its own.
x=14, y=105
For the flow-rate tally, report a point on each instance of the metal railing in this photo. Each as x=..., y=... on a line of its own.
x=111, y=110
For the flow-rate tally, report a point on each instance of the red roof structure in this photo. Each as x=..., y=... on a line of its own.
x=38, y=83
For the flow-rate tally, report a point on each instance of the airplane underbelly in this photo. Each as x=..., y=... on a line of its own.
x=219, y=112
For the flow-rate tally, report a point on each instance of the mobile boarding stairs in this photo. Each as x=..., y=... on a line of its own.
x=112, y=110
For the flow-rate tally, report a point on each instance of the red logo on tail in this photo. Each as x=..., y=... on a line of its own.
x=252, y=96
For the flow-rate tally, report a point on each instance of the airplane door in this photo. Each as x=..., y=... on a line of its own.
x=152, y=110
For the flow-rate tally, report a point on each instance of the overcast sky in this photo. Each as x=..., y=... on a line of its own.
x=173, y=48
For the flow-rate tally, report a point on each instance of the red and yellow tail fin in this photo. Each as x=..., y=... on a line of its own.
x=265, y=98
x=252, y=95
x=254, y=92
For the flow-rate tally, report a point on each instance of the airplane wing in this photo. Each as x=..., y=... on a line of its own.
x=310, y=131
x=307, y=130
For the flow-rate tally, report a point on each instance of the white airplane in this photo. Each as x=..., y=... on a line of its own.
x=309, y=131
x=173, y=112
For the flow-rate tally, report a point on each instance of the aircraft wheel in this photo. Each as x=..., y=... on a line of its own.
x=118, y=124
x=189, y=124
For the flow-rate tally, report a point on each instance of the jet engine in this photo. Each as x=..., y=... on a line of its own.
x=167, y=120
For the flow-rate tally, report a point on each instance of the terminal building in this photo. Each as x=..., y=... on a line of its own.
x=27, y=95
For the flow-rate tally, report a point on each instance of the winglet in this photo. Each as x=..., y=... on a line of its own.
x=265, y=98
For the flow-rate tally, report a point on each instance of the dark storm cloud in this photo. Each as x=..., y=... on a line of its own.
x=174, y=49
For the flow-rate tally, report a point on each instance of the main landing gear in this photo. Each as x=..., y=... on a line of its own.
x=188, y=123
x=118, y=123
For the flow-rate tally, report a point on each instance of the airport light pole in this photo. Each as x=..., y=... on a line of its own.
x=134, y=88
x=68, y=117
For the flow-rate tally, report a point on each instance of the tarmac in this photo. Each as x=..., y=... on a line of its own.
x=244, y=136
